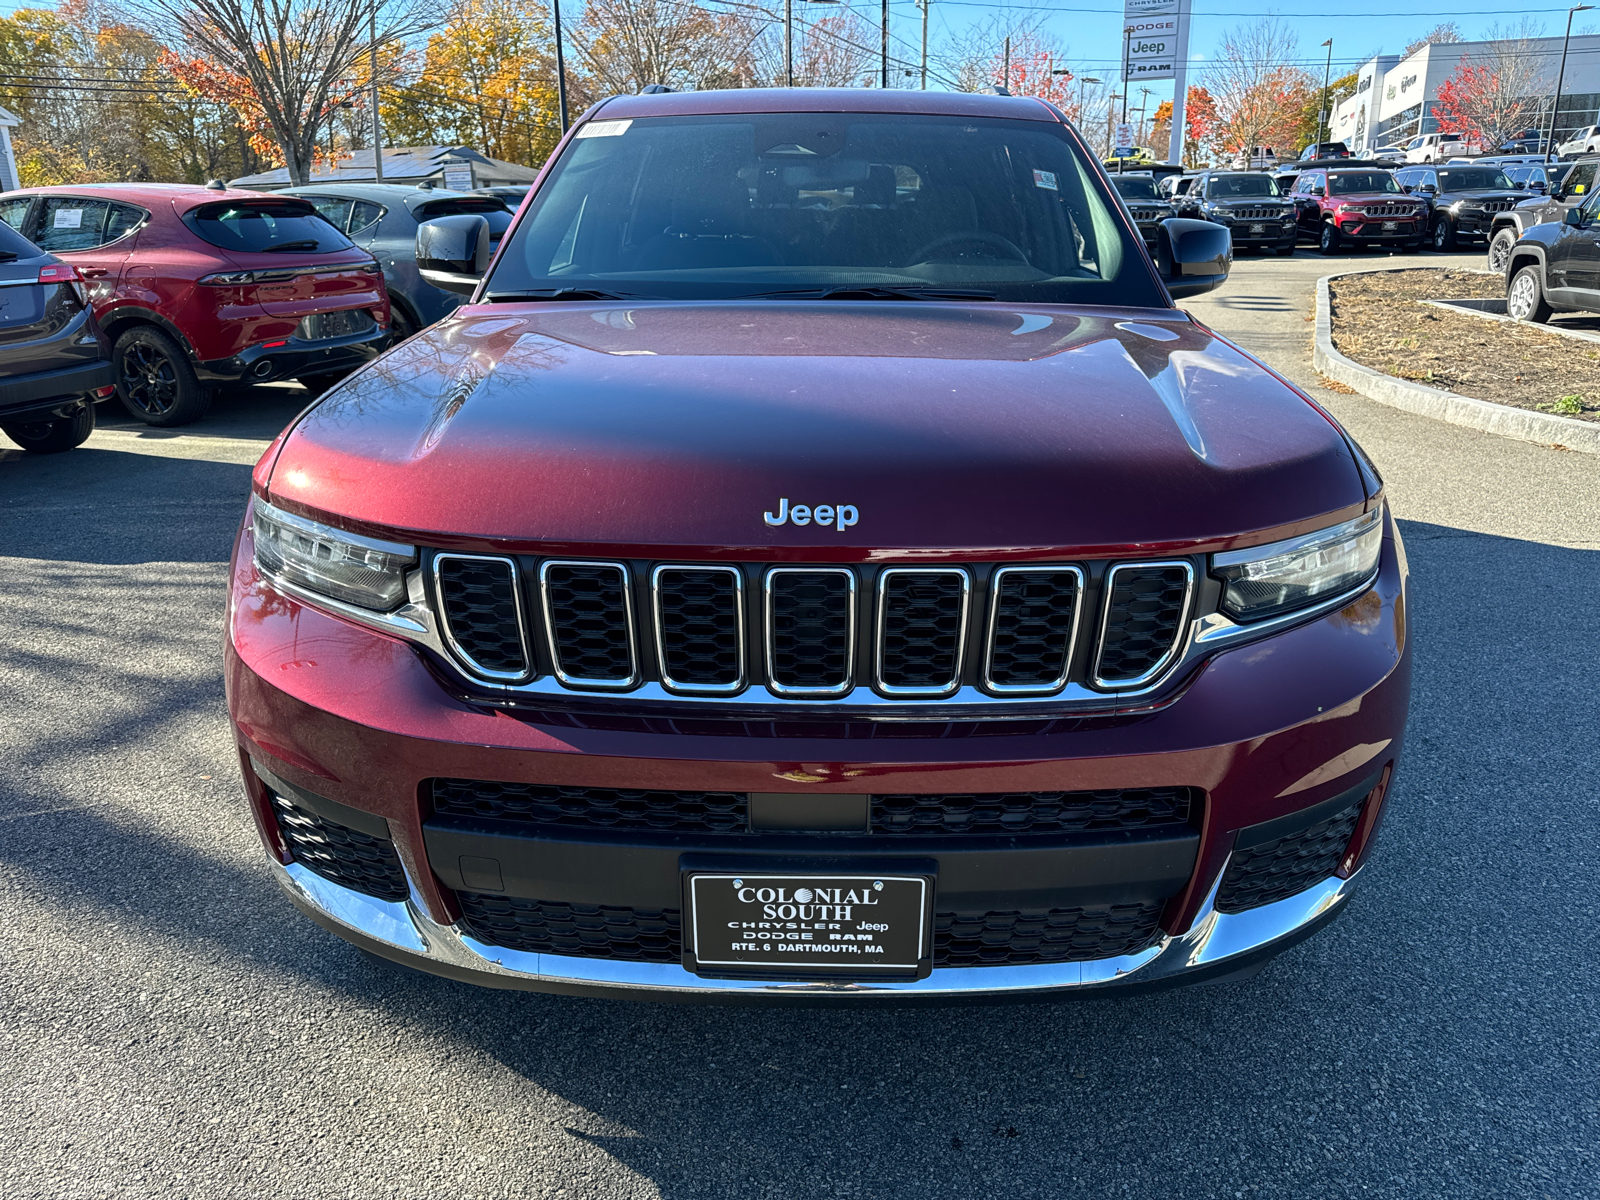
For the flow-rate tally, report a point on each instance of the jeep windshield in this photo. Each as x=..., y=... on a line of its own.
x=1135, y=187
x=1226, y=187
x=1350, y=183
x=808, y=204
x=1473, y=179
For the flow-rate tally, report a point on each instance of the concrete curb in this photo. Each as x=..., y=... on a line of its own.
x=1495, y=310
x=1544, y=428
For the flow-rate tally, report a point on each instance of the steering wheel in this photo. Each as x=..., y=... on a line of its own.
x=977, y=235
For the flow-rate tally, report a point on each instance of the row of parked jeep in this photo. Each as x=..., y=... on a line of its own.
x=161, y=293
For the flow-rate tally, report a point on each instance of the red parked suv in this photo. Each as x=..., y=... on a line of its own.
x=819, y=562
x=1358, y=206
x=199, y=286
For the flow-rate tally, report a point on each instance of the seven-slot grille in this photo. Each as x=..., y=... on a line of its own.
x=1388, y=210
x=1259, y=214
x=1151, y=214
x=812, y=633
x=1498, y=205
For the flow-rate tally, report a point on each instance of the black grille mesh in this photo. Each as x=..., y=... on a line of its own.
x=605, y=808
x=588, y=614
x=989, y=939
x=480, y=606
x=924, y=615
x=810, y=629
x=699, y=611
x=1033, y=618
x=1143, y=620
x=999, y=939
x=583, y=930
x=337, y=852
x=1032, y=812
x=1279, y=869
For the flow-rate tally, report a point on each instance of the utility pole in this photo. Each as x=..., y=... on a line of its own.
x=377, y=132
x=885, y=83
x=1555, y=106
x=788, y=43
x=926, y=4
x=1005, y=71
x=561, y=67
x=1144, y=103
x=1322, y=117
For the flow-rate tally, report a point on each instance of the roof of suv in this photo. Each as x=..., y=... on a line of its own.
x=149, y=193
x=851, y=100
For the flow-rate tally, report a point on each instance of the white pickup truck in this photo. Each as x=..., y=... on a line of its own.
x=1436, y=147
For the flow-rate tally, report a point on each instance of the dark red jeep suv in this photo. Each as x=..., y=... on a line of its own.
x=819, y=562
x=1358, y=206
x=200, y=286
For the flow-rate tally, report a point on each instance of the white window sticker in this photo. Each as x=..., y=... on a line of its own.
x=1045, y=179
x=69, y=218
x=604, y=129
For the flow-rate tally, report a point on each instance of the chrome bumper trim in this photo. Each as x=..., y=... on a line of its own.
x=1211, y=942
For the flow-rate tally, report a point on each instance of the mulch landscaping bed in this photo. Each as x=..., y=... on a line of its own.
x=1378, y=321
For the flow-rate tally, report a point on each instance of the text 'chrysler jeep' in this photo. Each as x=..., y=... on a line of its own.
x=819, y=562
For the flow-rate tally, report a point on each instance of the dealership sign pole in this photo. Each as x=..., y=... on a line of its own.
x=1157, y=33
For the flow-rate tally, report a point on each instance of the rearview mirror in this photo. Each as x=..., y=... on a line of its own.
x=1194, y=256
x=453, y=252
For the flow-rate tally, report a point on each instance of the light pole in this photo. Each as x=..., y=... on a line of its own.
x=1550, y=142
x=561, y=67
x=885, y=45
x=377, y=132
x=1322, y=117
x=924, y=5
x=1087, y=79
x=1144, y=103
x=788, y=43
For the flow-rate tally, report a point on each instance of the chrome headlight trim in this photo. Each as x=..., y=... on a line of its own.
x=303, y=567
x=1260, y=563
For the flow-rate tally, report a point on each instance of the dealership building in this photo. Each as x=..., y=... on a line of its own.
x=1394, y=96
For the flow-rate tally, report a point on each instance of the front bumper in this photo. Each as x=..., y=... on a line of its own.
x=1375, y=233
x=1273, y=234
x=261, y=364
x=1269, y=732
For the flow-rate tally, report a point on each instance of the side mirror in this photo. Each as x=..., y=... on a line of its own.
x=453, y=252
x=1574, y=217
x=1428, y=189
x=1538, y=185
x=1406, y=187
x=1194, y=256
x=1319, y=191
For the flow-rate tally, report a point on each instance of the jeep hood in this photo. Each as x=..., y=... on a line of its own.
x=947, y=427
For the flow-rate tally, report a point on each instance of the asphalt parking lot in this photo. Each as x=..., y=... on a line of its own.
x=170, y=1026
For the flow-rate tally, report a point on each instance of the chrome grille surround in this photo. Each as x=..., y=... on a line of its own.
x=522, y=618
x=626, y=582
x=1050, y=687
x=958, y=657
x=1182, y=624
x=848, y=677
x=703, y=689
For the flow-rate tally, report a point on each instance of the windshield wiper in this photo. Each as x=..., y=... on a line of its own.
x=308, y=244
x=560, y=294
x=874, y=292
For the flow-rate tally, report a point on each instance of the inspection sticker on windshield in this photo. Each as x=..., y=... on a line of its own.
x=607, y=129
x=1045, y=179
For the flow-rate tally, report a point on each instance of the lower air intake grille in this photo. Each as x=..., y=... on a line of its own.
x=1032, y=812
x=1144, y=618
x=1287, y=866
x=922, y=621
x=811, y=626
x=479, y=598
x=700, y=615
x=1034, y=616
x=586, y=606
x=583, y=930
x=346, y=856
x=1004, y=939
x=605, y=808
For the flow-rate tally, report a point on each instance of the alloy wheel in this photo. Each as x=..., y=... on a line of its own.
x=1520, y=300
x=1499, y=253
x=149, y=380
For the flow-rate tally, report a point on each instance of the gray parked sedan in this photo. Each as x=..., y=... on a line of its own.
x=382, y=218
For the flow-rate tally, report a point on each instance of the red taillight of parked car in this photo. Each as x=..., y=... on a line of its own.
x=62, y=273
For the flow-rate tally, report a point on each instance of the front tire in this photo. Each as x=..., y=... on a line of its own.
x=155, y=380
x=1328, y=243
x=1525, y=297
x=55, y=435
x=1500, y=250
x=1411, y=247
x=1444, y=235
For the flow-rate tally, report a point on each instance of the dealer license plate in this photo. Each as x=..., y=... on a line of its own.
x=1257, y=229
x=1390, y=226
x=800, y=925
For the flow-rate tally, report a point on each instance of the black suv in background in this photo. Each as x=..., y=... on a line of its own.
x=1465, y=200
x=54, y=361
x=1572, y=190
x=1144, y=203
x=1251, y=204
x=1555, y=266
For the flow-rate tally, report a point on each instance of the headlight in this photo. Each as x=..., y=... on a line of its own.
x=1264, y=581
x=344, y=566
